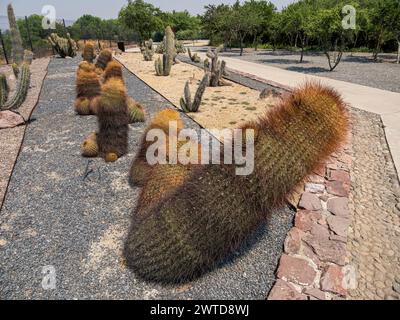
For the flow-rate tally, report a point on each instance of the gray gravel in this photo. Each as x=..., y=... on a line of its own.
x=356, y=69
x=53, y=216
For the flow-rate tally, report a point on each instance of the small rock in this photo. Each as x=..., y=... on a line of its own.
x=320, y=231
x=283, y=290
x=9, y=119
x=339, y=175
x=314, y=188
x=310, y=201
x=328, y=250
x=316, y=293
x=332, y=280
x=339, y=206
x=296, y=270
x=337, y=188
x=293, y=241
x=338, y=225
x=305, y=219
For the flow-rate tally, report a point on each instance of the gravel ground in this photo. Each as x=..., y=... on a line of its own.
x=374, y=236
x=54, y=216
x=357, y=69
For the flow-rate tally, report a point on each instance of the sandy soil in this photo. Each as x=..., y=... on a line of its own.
x=11, y=139
x=222, y=107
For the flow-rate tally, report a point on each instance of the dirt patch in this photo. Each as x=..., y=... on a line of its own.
x=222, y=107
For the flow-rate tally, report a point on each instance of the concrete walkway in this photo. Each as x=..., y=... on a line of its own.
x=382, y=102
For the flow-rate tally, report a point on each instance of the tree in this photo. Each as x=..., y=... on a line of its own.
x=217, y=24
x=142, y=18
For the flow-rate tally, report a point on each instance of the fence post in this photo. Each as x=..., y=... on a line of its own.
x=4, y=47
x=29, y=32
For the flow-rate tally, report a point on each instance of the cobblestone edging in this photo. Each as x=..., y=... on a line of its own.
x=314, y=264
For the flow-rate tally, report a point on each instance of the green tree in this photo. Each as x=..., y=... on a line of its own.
x=142, y=18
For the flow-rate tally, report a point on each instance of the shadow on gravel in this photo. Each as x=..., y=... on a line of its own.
x=284, y=61
x=307, y=69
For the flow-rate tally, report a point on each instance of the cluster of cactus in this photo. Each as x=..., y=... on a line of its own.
x=206, y=212
x=163, y=66
x=114, y=110
x=65, y=47
x=16, y=40
x=186, y=102
x=194, y=57
x=217, y=68
x=22, y=86
x=88, y=53
x=103, y=59
x=88, y=88
x=147, y=50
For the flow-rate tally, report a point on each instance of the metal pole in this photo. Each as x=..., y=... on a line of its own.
x=29, y=32
x=4, y=47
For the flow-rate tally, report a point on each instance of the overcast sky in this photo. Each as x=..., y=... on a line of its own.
x=73, y=9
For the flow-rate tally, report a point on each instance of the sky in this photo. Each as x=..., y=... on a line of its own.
x=73, y=9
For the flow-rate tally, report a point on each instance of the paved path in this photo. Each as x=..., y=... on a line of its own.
x=382, y=102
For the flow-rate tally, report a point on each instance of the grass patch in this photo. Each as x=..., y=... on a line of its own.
x=232, y=122
x=251, y=108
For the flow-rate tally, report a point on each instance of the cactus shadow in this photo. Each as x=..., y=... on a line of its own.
x=230, y=260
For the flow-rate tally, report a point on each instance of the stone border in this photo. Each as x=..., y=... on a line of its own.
x=314, y=263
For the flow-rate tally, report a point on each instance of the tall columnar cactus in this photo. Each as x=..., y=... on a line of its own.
x=4, y=89
x=193, y=57
x=103, y=59
x=88, y=88
x=23, y=85
x=217, y=68
x=88, y=53
x=186, y=102
x=206, y=217
x=16, y=40
x=112, y=116
x=163, y=66
x=140, y=170
x=147, y=50
x=65, y=47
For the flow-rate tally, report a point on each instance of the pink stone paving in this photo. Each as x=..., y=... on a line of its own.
x=313, y=266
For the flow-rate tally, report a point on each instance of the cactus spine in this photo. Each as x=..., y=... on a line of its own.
x=113, y=70
x=4, y=89
x=186, y=102
x=163, y=66
x=112, y=116
x=65, y=47
x=147, y=50
x=104, y=58
x=23, y=85
x=16, y=40
x=204, y=219
x=88, y=53
x=217, y=68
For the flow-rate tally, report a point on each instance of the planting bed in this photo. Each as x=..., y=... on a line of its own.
x=222, y=107
x=74, y=214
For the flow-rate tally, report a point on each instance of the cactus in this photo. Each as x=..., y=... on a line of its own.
x=88, y=53
x=86, y=66
x=65, y=47
x=206, y=65
x=163, y=67
x=135, y=111
x=4, y=89
x=140, y=170
x=16, y=40
x=112, y=116
x=147, y=50
x=113, y=70
x=90, y=147
x=193, y=57
x=103, y=59
x=21, y=91
x=186, y=102
x=198, y=224
x=87, y=89
x=15, y=70
x=217, y=68
x=269, y=92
